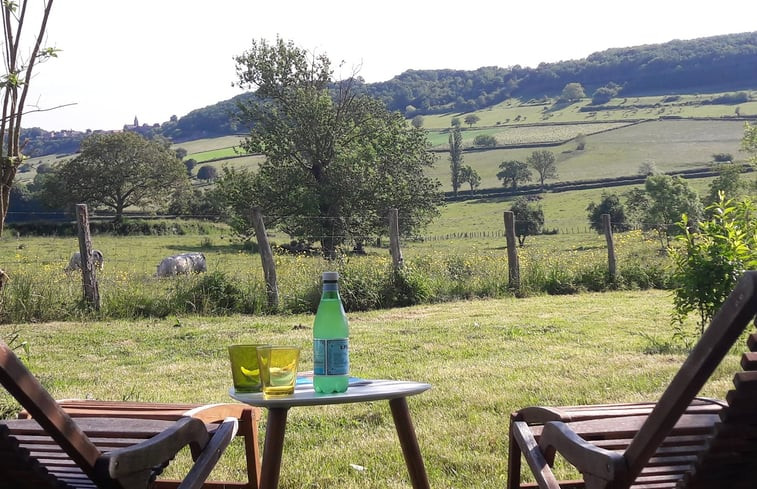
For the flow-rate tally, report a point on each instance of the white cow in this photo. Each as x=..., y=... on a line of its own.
x=182, y=264
x=75, y=262
x=3, y=279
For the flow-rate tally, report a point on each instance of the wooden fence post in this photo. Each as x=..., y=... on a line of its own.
x=89, y=278
x=266, y=256
x=394, y=239
x=513, y=264
x=611, y=265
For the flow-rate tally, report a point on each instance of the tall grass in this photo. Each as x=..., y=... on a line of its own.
x=234, y=284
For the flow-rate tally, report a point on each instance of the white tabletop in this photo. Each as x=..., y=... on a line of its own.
x=359, y=391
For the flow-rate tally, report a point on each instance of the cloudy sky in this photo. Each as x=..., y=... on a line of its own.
x=156, y=58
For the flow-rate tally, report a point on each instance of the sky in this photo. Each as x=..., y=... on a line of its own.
x=152, y=59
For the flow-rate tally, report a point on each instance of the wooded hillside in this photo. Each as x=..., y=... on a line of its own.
x=705, y=65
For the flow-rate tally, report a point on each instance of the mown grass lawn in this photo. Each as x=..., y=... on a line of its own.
x=484, y=358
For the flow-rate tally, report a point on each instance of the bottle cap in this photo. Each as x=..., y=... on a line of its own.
x=330, y=276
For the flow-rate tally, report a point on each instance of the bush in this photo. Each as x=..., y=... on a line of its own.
x=711, y=259
x=611, y=205
x=127, y=227
x=406, y=287
x=484, y=141
x=213, y=294
x=207, y=172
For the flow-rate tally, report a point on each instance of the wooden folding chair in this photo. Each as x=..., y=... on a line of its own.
x=247, y=417
x=678, y=442
x=53, y=450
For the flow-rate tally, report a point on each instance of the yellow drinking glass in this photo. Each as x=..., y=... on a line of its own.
x=278, y=369
x=245, y=372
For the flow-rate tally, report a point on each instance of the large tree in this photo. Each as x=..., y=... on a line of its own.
x=514, y=173
x=118, y=170
x=611, y=205
x=529, y=219
x=572, y=92
x=20, y=55
x=545, y=164
x=470, y=176
x=471, y=119
x=661, y=204
x=335, y=161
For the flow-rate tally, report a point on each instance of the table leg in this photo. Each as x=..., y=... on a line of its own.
x=409, y=443
x=273, y=447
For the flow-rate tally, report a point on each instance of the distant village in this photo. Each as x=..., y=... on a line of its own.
x=41, y=142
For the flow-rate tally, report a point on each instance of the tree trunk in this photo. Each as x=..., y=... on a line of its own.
x=14, y=90
x=394, y=240
x=328, y=248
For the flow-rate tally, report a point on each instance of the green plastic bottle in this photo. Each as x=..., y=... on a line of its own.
x=331, y=352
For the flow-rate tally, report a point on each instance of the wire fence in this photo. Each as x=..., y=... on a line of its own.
x=454, y=263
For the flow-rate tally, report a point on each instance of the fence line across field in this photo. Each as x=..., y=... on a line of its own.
x=91, y=290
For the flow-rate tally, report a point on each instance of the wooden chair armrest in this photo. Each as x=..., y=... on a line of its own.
x=214, y=413
x=210, y=454
x=134, y=465
x=591, y=461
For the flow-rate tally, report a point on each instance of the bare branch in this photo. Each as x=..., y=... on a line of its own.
x=48, y=109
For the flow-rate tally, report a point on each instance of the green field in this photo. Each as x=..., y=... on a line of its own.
x=615, y=144
x=514, y=112
x=210, y=144
x=670, y=145
x=483, y=358
x=616, y=149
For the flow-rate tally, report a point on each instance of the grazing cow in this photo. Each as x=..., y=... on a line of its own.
x=3, y=279
x=182, y=264
x=75, y=262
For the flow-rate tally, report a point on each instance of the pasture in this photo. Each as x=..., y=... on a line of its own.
x=670, y=145
x=514, y=111
x=484, y=358
x=611, y=149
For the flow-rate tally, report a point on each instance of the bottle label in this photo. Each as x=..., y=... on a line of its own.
x=331, y=357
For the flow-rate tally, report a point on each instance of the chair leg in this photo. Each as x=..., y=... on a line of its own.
x=248, y=428
x=522, y=436
x=513, y=462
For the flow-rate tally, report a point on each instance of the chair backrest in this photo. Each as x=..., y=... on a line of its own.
x=730, y=457
x=728, y=324
x=27, y=390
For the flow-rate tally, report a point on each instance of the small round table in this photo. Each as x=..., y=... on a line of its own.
x=360, y=390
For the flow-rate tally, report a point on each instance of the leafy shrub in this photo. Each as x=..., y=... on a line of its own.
x=711, y=259
x=560, y=282
x=485, y=141
x=609, y=204
x=127, y=227
x=636, y=275
x=595, y=278
x=406, y=287
x=361, y=291
x=214, y=294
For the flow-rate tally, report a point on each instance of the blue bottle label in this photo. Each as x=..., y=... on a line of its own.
x=331, y=357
